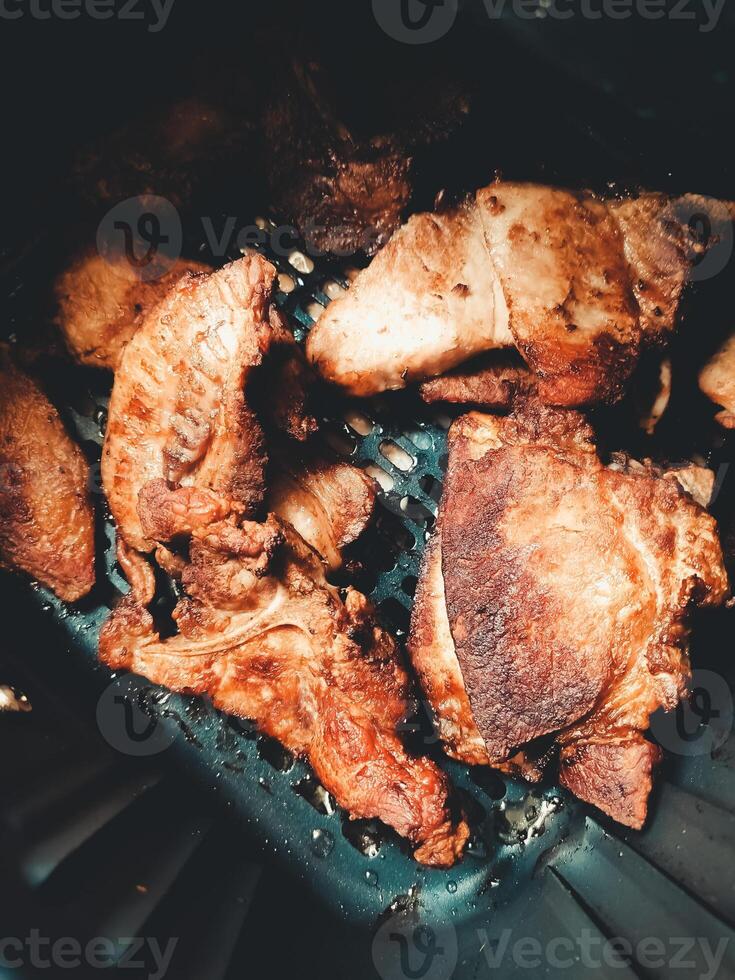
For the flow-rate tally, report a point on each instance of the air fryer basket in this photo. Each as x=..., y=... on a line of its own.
x=76, y=809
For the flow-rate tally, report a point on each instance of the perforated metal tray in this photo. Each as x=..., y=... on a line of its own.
x=539, y=863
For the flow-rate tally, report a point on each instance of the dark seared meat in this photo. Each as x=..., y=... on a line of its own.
x=46, y=519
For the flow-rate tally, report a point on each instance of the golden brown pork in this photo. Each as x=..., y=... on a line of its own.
x=568, y=588
x=579, y=284
x=329, y=502
x=101, y=302
x=267, y=638
x=46, y=519
x=178, y=408
x=717, y=381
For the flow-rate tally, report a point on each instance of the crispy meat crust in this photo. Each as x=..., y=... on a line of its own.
x=179, y=408
x=46, y=519
x=262, y=632
x=490, y=381
x=568, y=587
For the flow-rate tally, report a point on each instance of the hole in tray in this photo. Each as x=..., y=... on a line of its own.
x=416, y=511
x=364, y=835
x=274, y=754
x=359, y=423
x=385, y=480
x=396, y=615
x=314, y=310
x=302, y=263
x=341, y=442
x=315, y=795
x=409, y=585
x=286, y=283
x=398, y=457
x=431, y=487
x=332, y=288
x=489, y=781
x=472, y=808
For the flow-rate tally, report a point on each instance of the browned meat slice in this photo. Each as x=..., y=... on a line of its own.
x=717, y=381
x=433, y=656
x=343, y=182
x=580, y=285
x=267, y=638
x=427, y=302
x=568, y=589
x=490, y=381
x=329, y=503
x=178, y=408
x=46, y=519
x=101, y=302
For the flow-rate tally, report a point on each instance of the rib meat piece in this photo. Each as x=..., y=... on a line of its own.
x=178, y=408
x=101, y=302
x=579, y=284
x=267, y=638
x=568, y=589
x=46, y=518
x=717, y=381
x=329, y=503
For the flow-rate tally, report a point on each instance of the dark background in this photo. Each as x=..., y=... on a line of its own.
x=581, y=102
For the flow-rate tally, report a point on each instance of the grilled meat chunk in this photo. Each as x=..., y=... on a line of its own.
x=329, y=503
x=344, y=183
x=717, y=381
x=530, y=517
x=101, y=302
x=46, y=519
x=428, y=302
x=578, y=284
x=267, y=638
x=179, y=408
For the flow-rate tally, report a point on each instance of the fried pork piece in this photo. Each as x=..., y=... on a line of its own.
x=530, y=517
x=101, y=302
x=329, y=503
x=178, y=408
x=46, y=519
x=344, y=183
x=267, y=638
x=578, y=284
x=429, y=301
x=490, y=381
x=717, y=381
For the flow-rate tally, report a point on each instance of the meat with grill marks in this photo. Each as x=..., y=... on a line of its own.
x=580, y=285
x=46, y=518
x=179, y=407
x=567, y=588
x=262, y=632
